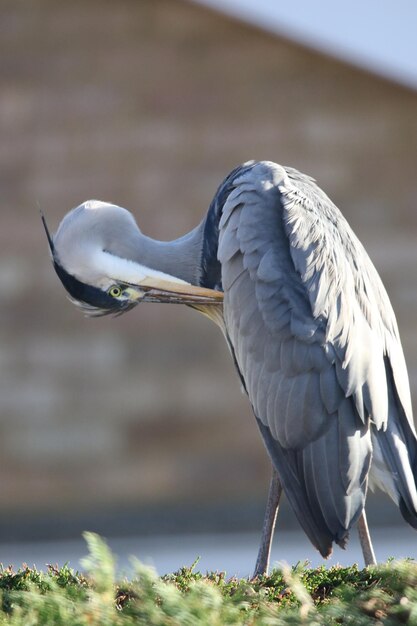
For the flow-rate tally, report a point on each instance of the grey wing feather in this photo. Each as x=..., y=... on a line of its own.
x=302, y=301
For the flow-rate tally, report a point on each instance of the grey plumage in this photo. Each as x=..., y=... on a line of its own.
x=308, y=321
x=316, y=345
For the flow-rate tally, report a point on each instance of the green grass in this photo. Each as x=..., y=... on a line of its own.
x=385, y=594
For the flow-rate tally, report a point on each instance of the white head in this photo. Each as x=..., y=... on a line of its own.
x=96, y=253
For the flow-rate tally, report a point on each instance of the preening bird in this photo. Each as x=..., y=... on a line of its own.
x=307, y=320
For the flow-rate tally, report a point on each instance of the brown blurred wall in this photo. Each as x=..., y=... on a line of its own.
x=149, y=104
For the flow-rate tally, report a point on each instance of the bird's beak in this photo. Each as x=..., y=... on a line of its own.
x=153, y=289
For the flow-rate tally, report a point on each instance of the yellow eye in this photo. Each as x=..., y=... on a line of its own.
x=114, y=291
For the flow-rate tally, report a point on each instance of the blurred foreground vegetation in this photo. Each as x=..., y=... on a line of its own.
x=385, y=594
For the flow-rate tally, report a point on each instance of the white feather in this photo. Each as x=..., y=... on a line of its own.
x=127, y=271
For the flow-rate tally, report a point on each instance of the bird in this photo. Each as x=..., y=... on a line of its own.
x=308, y=323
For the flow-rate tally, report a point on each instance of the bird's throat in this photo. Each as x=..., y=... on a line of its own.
x=213, y=312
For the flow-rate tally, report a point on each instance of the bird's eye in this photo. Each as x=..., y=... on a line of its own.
x=115, y=291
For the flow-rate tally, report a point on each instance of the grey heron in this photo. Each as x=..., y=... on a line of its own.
x=307, y=320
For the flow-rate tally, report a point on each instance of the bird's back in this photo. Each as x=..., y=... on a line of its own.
x=316, y=343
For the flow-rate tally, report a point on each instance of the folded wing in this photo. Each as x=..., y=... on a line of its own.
x=313, y=333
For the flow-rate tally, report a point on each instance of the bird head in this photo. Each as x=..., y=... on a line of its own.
x=95, y=254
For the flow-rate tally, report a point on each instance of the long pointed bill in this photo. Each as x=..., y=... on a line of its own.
x=154, y=289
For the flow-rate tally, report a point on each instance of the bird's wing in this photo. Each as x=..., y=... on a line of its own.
x=309, y=323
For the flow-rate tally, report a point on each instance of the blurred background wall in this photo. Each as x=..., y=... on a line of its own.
x=137, y=424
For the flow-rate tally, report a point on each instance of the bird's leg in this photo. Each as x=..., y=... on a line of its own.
x=274, y=495
x=365, y=539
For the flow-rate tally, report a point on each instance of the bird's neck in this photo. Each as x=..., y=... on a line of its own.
x=180, y=257
x=193, y=257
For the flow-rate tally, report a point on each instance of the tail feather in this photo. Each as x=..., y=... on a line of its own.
x=285, y=462
x=399, y=449
x=314, y=483
x=397, y=446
